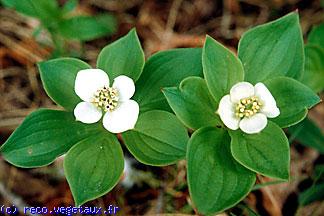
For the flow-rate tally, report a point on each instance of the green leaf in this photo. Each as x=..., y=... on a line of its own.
x=316, y=35
x=308, y=134
x=247, y=210
x=266, y=152
x=222, y=69
x=292, y=99
x=314, y=67
x=165, y=69
x=123, y=57
x=69, y=6
x=8, y=3
x=262, y=185
x=312, y=194
x=86, y=28
x=93, y=167
x=319, y=173
x=46, y=10
x=43, y=136
x=58, y=77
x=289, y=119
x=158, y=138
x=192, y=103
x=273, y=49
x=216, y=181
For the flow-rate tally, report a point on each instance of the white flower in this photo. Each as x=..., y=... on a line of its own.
x=120, y=113
x=247, y=107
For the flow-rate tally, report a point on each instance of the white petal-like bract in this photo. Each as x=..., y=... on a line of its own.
x=226, y=111
x=269, y=107
x=240, y=91
x=270, y=111
x=86, y=112
x=123, y=118
x=88, y=81
x=249, y=115
x=253, y=124
x=125, y=87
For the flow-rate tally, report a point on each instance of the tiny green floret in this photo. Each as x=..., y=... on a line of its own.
x=106, y=98
x=247, y=107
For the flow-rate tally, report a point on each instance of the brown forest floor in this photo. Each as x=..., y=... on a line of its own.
x=161, y=25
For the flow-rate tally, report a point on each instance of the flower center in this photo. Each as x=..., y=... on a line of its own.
x=106, y=98
x=248, y=107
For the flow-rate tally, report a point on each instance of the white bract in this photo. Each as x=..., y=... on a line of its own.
x=120, y=112
x=247, y=107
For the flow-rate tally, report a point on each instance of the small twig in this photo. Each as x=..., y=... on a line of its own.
x=32, y=76
x=226, y=20
x=115, y=5
x=171, y=21
x=14, y=45
x=12, y=71
x=271, y=197
x=10, y=122
x=173, y=14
